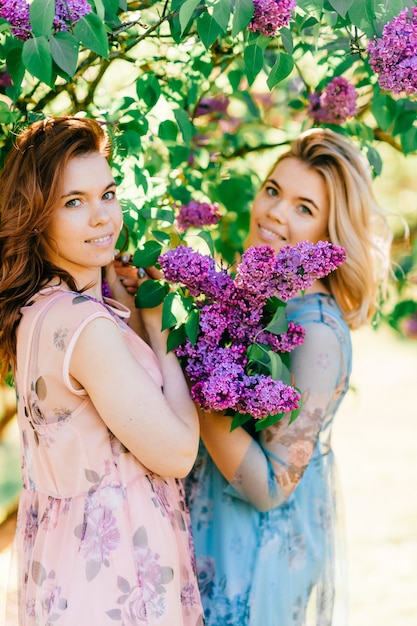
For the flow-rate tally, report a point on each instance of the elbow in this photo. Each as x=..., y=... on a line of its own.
x=180, y=462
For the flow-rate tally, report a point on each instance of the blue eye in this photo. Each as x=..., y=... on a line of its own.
x=109, y=195
x=304, y=209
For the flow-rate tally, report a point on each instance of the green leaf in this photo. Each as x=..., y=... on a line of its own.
x=282, y=68
x=409, y=141
x=64, y=50
x=150, y=294
x=257, y=353
x=148, y=89
x=186, y=11
x=208, y=29
x=275, y=365
x=168, y=130
x=221, y=13
x=208, y=239
x=296, y=412
x=148, y=255
x=15, y=65
x=239, y=419
x=341, y=6
x=383, y=109
x=41, y=15
x=6, y=115
x=176, y=338
x=242, y=15
x=192, y=325
x=253, y=57
x=287, y=40
x=279, y=323
x=265, y=422
x=185, y=126
x=313, y=8
x=91, y=33
x=155, y=213
x=404, y=122
x=100, y=9
x=175, y=310
x=37, y=58
x=375, y=160
x=362, y=15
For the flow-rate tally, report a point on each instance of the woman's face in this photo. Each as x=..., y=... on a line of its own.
x=291, y=206
x=87, y=219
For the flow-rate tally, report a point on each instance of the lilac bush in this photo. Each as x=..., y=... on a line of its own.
x=335, y=104
x=67, y=12
x=394, y=55
x=271, y=15
x=239, y=337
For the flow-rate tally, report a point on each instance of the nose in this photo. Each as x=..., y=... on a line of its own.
x=278, y=209
x=99, y=212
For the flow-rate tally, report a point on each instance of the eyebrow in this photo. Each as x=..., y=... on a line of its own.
x=302, y=198
x=80, y=193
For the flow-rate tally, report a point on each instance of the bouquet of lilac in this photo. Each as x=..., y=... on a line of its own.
x=230, y=329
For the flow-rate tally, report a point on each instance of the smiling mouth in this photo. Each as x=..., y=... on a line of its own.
x=270, y=234
x=106, y=239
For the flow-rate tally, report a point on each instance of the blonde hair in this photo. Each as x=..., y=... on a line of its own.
x=356, y=221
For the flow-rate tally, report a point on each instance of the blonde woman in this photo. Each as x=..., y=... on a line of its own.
x=263, y=506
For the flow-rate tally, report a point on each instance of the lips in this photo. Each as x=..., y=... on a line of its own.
x=101, y=240
x=270, y=235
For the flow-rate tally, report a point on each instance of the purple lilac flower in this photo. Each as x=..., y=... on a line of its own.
x=394, y=55
x=300, y=265
x=197, y=214
x=67, y=12
x=16, y=12
x=335, y=104
x=5, y=80
x=285, y=342
x=409, y=326
x=221, y=390
x=255, y=273
x=265, y=396
x=188, y=267
x=197, y=272
x=218, y=104
x=271, y=15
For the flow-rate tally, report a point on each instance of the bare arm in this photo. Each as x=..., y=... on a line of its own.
x=266, y=472
x=159, y=427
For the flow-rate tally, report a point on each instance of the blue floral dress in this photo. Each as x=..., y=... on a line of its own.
x=266, y=543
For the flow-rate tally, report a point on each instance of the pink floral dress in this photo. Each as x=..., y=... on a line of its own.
x=100, y=539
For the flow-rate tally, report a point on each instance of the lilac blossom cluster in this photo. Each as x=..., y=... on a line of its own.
x=335, y=104
x=67, y=12
x=234, y=317
x=271, y=15
x=206, y=106
x=394, y=55
x=197, y=214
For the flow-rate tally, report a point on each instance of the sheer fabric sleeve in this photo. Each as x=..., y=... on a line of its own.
x=275, y=463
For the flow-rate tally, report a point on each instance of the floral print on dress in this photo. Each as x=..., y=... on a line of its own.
x=50, y=605
x=147, y=598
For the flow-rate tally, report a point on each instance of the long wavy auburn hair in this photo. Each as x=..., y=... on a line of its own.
x=30, y=186
x=356, y=221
